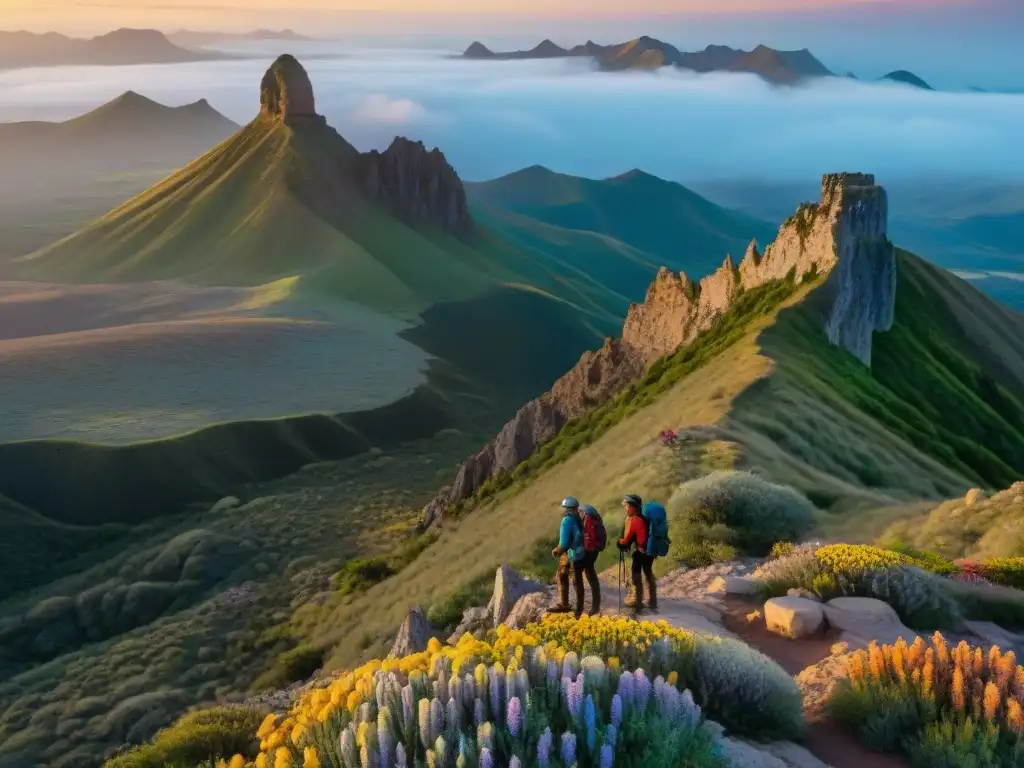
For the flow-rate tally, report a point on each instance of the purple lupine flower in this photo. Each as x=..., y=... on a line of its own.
x=479, y=717
x=552, y=672
x=365, y=712
x=515, y=717
x=486, y=760
x=455, y=689
x=515, y=762
x=347, y=742
x=522, y=683
x=408, y=705
x=385, y=739
x=643, y=689
x=627, y=689
x=616, y=710
x=690, y=706
x=566, y=688
x=468, y=690
x=607, y=756
x=590, y=721
x=574, y=700
x=497, y=683
x=568, y=751
x=400, y=756
x=570, y=665
x=436, y=718
x=453, y=715
x=611, y=734
x=442, y=686
x=544, y=744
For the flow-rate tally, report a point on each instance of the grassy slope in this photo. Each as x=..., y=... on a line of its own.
x=678, y=227
x=781, y=399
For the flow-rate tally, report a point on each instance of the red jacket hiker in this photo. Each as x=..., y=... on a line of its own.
x=636, y=530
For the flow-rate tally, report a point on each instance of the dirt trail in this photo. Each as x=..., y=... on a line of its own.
x=825, y=740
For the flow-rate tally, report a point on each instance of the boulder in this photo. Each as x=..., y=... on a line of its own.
x=509, y=588
x=528, y=609
x=993, y=634
x=413, y=635
x=473, y=620
x=818, y=682
x=793, y=617
x=733, y=585
x=862, y=619
x=806, y=594
x=744, y=754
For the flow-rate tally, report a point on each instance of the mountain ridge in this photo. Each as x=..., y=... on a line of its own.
x=775, y=66
x=119, y=47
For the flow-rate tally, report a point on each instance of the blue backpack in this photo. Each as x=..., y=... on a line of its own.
x=658, y=541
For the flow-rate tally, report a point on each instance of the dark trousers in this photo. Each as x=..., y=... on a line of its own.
x=579, y=570
x=643, y=566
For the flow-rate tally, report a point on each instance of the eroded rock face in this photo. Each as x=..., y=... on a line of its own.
x=843, y=235
x=413, y=635
x=417, y=185
x=286, y=90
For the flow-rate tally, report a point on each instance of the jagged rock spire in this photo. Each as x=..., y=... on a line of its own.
x=286, y=90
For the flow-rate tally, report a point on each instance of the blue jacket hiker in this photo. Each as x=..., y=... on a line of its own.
x=574, y=560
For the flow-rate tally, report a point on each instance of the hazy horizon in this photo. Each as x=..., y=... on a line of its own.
x=950, y=43
x=492, y=118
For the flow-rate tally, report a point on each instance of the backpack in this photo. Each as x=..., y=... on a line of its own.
x=658, y=541
x=595, y=537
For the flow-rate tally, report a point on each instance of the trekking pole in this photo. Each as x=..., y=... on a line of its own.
x=622, y=575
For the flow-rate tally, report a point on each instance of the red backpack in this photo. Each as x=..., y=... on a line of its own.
x=595, y=537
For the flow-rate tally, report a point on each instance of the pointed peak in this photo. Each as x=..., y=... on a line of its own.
x=752, y=255
x=286, y=90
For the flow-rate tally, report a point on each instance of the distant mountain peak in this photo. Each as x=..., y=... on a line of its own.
x=908, y=78
x=477, y=50
x=286, y=90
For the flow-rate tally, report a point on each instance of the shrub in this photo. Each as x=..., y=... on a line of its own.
x=1008, y=571
x=459, y=706
x=944, y=708
x=921, y=598
x=201, y=737
x=758, y=513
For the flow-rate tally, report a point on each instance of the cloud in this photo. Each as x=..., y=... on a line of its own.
x=379, y=108
x=491, y=118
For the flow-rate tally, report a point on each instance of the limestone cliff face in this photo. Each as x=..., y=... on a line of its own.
x=843, y=236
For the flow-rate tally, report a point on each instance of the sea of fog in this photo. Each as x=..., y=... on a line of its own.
x=491, y=118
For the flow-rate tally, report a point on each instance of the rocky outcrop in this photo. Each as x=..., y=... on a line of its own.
x=417, y=185
x=843, y=235
x=509, y=589
x=286, y=90
x=413, y=635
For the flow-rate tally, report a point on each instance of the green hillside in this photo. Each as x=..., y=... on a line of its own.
x=679, y=228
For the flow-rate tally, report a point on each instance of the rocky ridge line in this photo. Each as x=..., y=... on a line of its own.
x=415, y=184
x=846, y=228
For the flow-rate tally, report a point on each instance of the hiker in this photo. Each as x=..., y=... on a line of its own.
x=635, y=534
x=595, y=538
x=570, y=554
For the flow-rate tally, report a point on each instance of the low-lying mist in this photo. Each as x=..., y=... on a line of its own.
x=491, y=118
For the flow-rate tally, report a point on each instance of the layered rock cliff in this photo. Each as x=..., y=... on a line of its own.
x=417, y=185
x=842, y=236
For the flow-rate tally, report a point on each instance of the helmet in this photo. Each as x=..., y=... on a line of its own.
x=588, y=510
x=632, y=498
x=570, y=503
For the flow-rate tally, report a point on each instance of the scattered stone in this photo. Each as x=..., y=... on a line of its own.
x=413, y=635
x=733, y=585
x=473, y=620
x=528, y=609
x=793, y=617
x=993, y=634
x=509, y=588
x=226, y=504
x=864, y=619
x=972, y=496
x=818, y=682
x=744, y=754
x=754, y=616
x=806, y=594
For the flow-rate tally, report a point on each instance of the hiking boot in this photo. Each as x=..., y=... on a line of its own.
x=652, y=603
